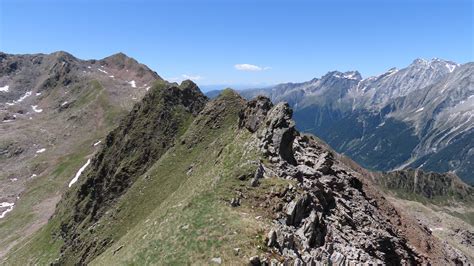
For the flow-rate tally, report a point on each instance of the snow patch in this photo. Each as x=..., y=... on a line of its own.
x=33, y=176
x=350, y=76
x=147, y=88
x=64, y=103
x=391, y=71
x=36, y=109
x=111, y=76
x=450, y=67
x=74, y=180
x=41, y=150
x=419, y=110
x=38, y=94
x=132, y=83
x=4, y=88
x=7, y=205
x=28, y=93
x=97, y=143
x=103, y=71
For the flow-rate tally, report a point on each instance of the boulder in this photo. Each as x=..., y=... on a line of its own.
x=254, y=113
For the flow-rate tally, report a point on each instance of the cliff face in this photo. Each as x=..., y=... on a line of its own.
x=445, y=187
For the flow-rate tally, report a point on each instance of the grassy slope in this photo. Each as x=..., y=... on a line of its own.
x=50, y=185
x=174, y=215
x=176, y=218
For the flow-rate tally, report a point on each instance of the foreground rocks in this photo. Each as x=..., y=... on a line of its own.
x=329, y=217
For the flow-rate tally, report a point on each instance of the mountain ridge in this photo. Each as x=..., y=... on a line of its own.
x=176, y=178
x=415, y=102
x=55, y=110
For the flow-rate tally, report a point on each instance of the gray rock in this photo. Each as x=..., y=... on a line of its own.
x=298, y=209
x=272, y=238
x=235, y=202
x=255, y=261
x=216, y=260
x=254, y=113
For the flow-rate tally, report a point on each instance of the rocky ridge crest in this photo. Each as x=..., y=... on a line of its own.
x=330, y=216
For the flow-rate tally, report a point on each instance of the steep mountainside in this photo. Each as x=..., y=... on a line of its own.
x=55, y=111
x=429, y=185
x=185, y=180
x=417, y=117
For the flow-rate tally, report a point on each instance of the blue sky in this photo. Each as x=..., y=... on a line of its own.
x=244, y=43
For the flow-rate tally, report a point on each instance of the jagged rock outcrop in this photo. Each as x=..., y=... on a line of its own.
x=254, y=114
x=329, y=217
x=278, y=132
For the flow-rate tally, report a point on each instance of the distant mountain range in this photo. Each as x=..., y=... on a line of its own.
x=421, y=116
x=104, y=162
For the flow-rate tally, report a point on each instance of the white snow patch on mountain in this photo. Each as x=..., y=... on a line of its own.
x=421, y=109
x=350, y=76
x=4, y=88
x=450, y=67
x=78, y=174
x=28, y=93
x=132, y=83
x=7, y=205
x=103, y=71
x=41, y=150
x=36, y=109
x=97, y=143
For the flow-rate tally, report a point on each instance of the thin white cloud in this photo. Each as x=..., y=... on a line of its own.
x=192, y=77
x=184, y=77
x=249, y=67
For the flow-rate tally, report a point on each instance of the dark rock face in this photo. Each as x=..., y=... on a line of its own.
x=278, y=134
x=255, y=112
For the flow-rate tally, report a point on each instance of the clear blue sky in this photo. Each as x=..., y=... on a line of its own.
x=280, y=40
